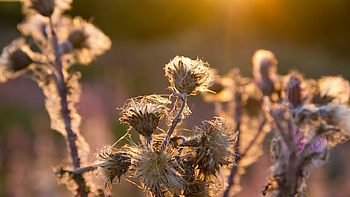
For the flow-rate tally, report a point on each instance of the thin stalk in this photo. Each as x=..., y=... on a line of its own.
x=231, y=178
x=256, y=137
x=176, y=120
x=83, y=170
x=71, y=137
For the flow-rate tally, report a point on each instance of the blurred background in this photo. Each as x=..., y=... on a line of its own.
x=311, y=36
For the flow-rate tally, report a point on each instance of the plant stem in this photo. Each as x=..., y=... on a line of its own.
x=83, y=170
x=71, y=137
x=176, y=120
x=231, y=178
x=251, y=143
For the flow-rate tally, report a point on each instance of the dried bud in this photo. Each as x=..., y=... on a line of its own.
x=336, y=115
x=293, y=91
x=334, y=89
x=113, y=163
x=215, y=147
x=87, y=41
x=16, y=59
x=157, y=170
x=188, y=76
x=144, y=113
x=19, y=60
x=77, y=38
x=43, y=7
x=264, y=70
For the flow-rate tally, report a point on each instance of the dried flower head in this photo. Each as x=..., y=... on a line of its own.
x=157, y=170
x=14, y=60
x=144, y=113
x=264, y=70
x=293, y=91
x=43, y=7
x=188, y=76
x=333, y=89
x=86, y=41
x=113, y=163
x=46, y=7
x=215, y=147
x=337, y=115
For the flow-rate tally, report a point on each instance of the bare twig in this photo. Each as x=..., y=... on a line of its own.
x=71, y=138
x=231, y=178
x=83, y=170
x=256, y=137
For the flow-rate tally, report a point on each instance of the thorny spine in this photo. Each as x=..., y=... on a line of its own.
x=83, y=189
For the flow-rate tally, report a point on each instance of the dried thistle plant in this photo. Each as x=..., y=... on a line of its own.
x=45, y=52
x=304, y=132
x=188, y=76
x=164, y=162
x=307, y=116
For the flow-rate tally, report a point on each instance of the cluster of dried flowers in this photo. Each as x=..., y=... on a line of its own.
x=167, y=160
x=50, y=44
x=307, y=117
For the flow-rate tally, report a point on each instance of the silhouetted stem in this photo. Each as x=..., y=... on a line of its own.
x=256, y=137
x=176, y=120
x=85, y=169
x=71, y=137
x=231, y=178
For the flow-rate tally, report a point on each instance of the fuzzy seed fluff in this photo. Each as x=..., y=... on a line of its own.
x=187, y=76
x=336, y=88
x=112, y=163
x=156, y=170
x=144, y=113
x=215, y=147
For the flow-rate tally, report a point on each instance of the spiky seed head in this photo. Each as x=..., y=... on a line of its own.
x=144, y=113
x=197, y=188
x=43, y=7
x=215, y=147
x=78, y=38
x=264, y=70
x=19, y=60
x=87, y=40
x=293, y=91
x=157, y=170
x=336, y=89
x=264, y=62
x=113, y=163
x=337, y=115
x=187, y=76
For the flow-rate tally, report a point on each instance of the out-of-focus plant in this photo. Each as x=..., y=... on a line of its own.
x=307, y=116
x=51, y=43
x=314, y=117
x=240, y=101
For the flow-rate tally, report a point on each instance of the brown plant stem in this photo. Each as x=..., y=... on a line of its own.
x=231, y=178
x=71, y=137
x=176, y=120
x=256, y=137
x=83, y=170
